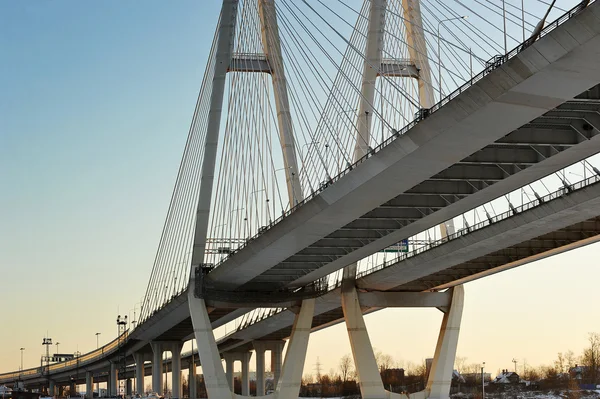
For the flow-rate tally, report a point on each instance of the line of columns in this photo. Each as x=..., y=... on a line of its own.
x=276, y=348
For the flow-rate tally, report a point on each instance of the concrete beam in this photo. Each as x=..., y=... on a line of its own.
x=382, y=299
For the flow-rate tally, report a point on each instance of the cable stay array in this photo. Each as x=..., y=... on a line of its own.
x=295, y=111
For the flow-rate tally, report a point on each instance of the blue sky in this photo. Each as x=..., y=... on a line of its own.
x=95, y=103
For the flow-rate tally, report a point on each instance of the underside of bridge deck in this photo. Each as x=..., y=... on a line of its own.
x=538, y=142
x=527, y=247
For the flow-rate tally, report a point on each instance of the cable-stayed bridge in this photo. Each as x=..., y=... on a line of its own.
x=324, y=135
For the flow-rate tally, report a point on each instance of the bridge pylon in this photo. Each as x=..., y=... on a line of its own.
x=271, y=62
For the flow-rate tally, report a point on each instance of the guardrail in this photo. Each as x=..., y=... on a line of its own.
x=491, y=65
x=79, y=361
x=492, y=220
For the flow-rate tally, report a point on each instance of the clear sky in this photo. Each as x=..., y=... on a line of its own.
x=95, y=104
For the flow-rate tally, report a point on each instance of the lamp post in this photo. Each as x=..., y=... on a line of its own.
x=515, y=362
x=58, y=343
x=440, y=50
x=482, y=382
x=97, y=342
x=22, y=349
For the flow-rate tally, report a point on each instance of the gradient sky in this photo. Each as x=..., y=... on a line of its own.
x=95, y=103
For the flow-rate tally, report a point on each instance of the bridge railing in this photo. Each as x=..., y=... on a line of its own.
x=489, y=221
x=79, y=361
x=494, y=63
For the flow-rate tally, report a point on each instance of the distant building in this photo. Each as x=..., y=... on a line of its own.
x=507, y=377
x=393, y=375
x=577, y=372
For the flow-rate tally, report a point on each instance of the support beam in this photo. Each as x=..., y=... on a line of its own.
x=223, y=58
x=276, y=359
x=208, y=352
x=139, y=372
x=272, y=49
x=89, y=385
x=113, y=378
x=260, y=368
x=291, y=373
x=386, y=299
x=370, y=383
x=128, y=387
x=440, y=376
x=371, y=67
x=229, y=362
x=417, y=49
x=157, y=366
x=176, y=370
x=51, y=389
x=246, y=373
x=192, y=380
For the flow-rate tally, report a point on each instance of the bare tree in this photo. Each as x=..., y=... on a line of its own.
x=460, y=362
x=570, y=359
x=346, y=367
x=384, y=361
x=591, y=357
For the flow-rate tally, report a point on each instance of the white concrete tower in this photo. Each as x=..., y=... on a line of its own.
x=270, y=62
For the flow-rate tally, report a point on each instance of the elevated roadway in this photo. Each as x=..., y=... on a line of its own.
x=529, y=114
x=510, y=126
x=562, y=221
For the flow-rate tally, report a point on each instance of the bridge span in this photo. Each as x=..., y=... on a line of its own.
x=529, y=114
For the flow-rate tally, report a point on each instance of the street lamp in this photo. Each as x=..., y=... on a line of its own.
x=482, y=382
x=58, y=343
x=440, y=50
x=22, y=349
x=515, y=362
x=97, y=344
x=121, y=324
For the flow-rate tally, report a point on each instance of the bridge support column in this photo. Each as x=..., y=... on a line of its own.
x=113, y=378
x=440, y=376
x=192, y=380
x=212, y=368
x=157, y=370
x=51, y=389
x=276, y=360
x=128, y=387
x=370, y=383
x=291, y=373
x=89, y=385
x=246, y=373
x=260, y=367
x=139, y=372
x=60, y=390
x=176, y=369
x=214, y=376
x=229, y=361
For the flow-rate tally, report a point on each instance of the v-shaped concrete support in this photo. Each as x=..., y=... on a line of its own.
x=215, y=379
x=370, y=383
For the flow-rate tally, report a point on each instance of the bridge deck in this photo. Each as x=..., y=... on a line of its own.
x=477, y=147
x=567, y=222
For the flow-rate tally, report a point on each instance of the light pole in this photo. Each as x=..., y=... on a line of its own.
x=482, y=382
x=440, y=50
x=22, y=349
x=97, y=342
x=515, y=362
x=58, y=343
